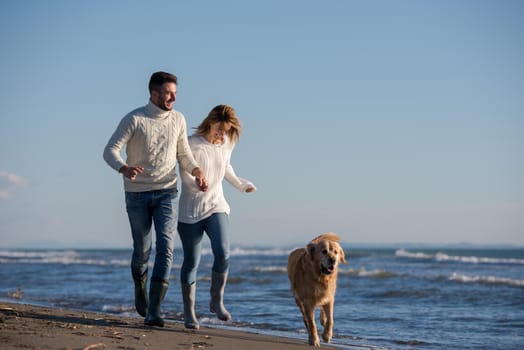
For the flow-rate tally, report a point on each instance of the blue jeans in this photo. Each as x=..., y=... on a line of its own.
x=216, y=227
x=145, y=209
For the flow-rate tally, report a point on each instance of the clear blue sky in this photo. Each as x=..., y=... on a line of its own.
x=382, y=121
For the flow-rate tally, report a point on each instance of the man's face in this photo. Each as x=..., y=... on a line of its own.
x=165, y=97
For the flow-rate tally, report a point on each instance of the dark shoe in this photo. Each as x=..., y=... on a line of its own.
x=216, y=306
x=158, y=322
x=157, y=292
x=141, y=299
x=188, y=296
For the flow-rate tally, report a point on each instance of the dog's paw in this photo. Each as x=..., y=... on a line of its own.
x=326, y=336
x=313, y=340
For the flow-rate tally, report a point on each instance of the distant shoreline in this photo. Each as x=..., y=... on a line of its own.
x=346, y=245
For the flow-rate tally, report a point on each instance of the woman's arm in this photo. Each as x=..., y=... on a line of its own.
x=239, y=183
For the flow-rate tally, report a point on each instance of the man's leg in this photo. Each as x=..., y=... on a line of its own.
x=140, y=219
x=165, y=227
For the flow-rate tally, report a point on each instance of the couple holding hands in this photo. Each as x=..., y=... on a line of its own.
x=155, y=139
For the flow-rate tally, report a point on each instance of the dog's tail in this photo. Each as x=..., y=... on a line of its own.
x=330, y=236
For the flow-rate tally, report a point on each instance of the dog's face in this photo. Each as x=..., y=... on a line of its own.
x=326, y=255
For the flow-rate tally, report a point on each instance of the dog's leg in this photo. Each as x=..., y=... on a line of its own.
x=327, y=312
x=322, y=316
x=301, y=308
x=309, y=320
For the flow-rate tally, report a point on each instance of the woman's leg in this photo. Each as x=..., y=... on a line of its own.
x=217, y=230
x=191, y=237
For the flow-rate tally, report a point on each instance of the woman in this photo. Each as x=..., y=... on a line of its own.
x=199, y=212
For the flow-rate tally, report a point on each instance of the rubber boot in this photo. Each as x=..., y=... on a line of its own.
x=141, y=299
x=157, y=292
x=188, y=296
x=218, y=284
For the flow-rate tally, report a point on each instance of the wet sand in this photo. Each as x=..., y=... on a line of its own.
x=35, y=327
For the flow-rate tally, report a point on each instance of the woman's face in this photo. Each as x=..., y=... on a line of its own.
x=217, y=131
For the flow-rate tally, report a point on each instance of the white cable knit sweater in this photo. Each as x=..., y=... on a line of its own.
x=214, y=160
x=155, y=139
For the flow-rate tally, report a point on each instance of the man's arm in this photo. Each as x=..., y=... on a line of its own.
x=186, y=159
x=112, y=152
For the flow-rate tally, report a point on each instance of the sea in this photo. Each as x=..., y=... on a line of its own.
x=387, y=298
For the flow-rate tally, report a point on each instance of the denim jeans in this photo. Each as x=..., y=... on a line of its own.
x=145, y=209
x=216, y=227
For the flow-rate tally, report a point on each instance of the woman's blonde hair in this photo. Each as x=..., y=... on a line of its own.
x=221, y=114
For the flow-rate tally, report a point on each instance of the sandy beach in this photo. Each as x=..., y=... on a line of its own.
x=34, y=327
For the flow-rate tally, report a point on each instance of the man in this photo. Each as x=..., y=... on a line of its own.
x=155, y=137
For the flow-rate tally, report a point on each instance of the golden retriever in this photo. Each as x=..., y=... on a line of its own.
x=312, y=272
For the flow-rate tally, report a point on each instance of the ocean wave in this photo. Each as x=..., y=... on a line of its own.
x=477, y=260
x=19, y=254
x=423, y=293
x=271, y=269
x=65, y=257
x=442, y=257
x=119, y=309
x=401, y=253
x=362, y=272
x=252, y=251
x=485, y=279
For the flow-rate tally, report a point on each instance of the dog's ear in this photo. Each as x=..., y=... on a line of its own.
x=311, y=249
x=342, y=256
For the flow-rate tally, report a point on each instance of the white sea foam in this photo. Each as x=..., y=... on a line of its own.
x=119, y=309
x=52, y=257
x=477, y=259
x=279, y=269
x=401, y=253
x=485, y=279
x=362, y=272
x=19, y=254
x=64, y=257
x=252, y=251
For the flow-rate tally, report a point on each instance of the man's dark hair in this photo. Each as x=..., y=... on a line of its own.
x=160, y=78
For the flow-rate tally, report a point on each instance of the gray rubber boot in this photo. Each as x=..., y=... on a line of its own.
x=188, y=296
x=218, y=284
x=141, y=299
x=157, y=292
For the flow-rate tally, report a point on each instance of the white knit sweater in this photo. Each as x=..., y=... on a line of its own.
x=155, y=139
x=195, y=205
